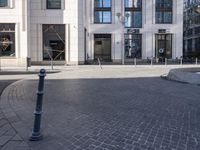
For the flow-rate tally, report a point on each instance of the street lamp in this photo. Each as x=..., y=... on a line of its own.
x=123, y=19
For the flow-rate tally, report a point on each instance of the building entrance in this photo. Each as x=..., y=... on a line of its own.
x=102, y=47
x=54, y=42
x=133, y=46
x=163, y=46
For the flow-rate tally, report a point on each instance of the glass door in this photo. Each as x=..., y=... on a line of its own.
x=133, y=46
x=102, y=47
x=163, y=46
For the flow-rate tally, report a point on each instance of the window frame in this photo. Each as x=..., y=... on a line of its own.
x=103, y=9
x=133, y=10
x=49, y=8
x=163, y=10
x=6, y=6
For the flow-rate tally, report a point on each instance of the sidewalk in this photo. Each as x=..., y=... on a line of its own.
x=116, y=108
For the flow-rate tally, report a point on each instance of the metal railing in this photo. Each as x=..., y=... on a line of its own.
x=164, y=61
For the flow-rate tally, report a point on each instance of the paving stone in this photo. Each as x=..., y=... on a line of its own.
x=4, y=139
x=110, y=114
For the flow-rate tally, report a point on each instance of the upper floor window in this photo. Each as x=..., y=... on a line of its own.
x=102, y=11
x=164, y=11
x=53, y=4
x=3, y=3
x=133, y=13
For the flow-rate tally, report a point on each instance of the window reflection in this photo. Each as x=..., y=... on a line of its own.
x=163, y=46
x=164, y=11
x=134, y=10
x=53, y=42
x=102, y=11
x=53, y=4
x=133, y=3
x=133, y=46
x=7, y=39
x=3, y=3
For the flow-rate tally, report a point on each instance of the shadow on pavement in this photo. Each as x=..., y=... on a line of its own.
x=24, y=72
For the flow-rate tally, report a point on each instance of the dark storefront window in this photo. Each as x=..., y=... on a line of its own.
x=3, y=3
x=163, y=46
x=102, y=47
x=164, y=11
x=53, y=4
x=54, y=42
x=189, y=48
x=133, y=46
x=7, y=39
x=197, y=47
x=102, y=11
x=133, y=9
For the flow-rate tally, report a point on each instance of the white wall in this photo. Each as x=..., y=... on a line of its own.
x=17, y=13
x=67, y=16
x=29, y=15
x=148, y=30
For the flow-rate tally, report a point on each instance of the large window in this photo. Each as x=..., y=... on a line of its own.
x=102, y=11
x=102, y=47
x=163, y=46
x=7, y=39
x=53, y=4
x=164, y=11
x=133, y=46
x=3, y=3
x=54, y=42
x=133, y=11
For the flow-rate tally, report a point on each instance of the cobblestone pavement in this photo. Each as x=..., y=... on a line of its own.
x=140, y=113
x=9, y=139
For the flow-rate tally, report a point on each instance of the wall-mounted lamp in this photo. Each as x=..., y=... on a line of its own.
x=122, y=19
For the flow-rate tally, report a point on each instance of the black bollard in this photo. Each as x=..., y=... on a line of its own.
x=36, y=134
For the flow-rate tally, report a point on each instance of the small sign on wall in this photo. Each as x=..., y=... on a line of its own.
x=133, y=31
x=161, y=30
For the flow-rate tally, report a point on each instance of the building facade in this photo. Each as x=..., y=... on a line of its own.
x=191, y=29
x=79, y=31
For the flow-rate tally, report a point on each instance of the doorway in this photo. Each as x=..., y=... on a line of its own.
x=133, y=46
x=102, y=47
x=163, y=46
x=53, y=42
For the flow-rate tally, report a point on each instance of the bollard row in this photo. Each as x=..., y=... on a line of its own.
x=164, y=61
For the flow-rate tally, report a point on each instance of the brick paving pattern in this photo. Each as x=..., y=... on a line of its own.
x=112, y=114
x=9, y=138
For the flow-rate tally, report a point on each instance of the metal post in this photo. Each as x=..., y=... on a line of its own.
x=27, y=63
x=181, y=61
x=151, y=61
x=51, y=63
x=135, y=61
x=196, y=61
x=165, y=61
x=99, y=63
x=0, y=64
x=36, y=134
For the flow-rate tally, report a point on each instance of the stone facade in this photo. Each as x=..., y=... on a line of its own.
x=77, y=17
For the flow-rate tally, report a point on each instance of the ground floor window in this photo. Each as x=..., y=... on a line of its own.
x=7, y=39
x=3, y=3
x=54, y=42
x=163, y=46
x=133, y=46
x=197, y=46
x=102, y=47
